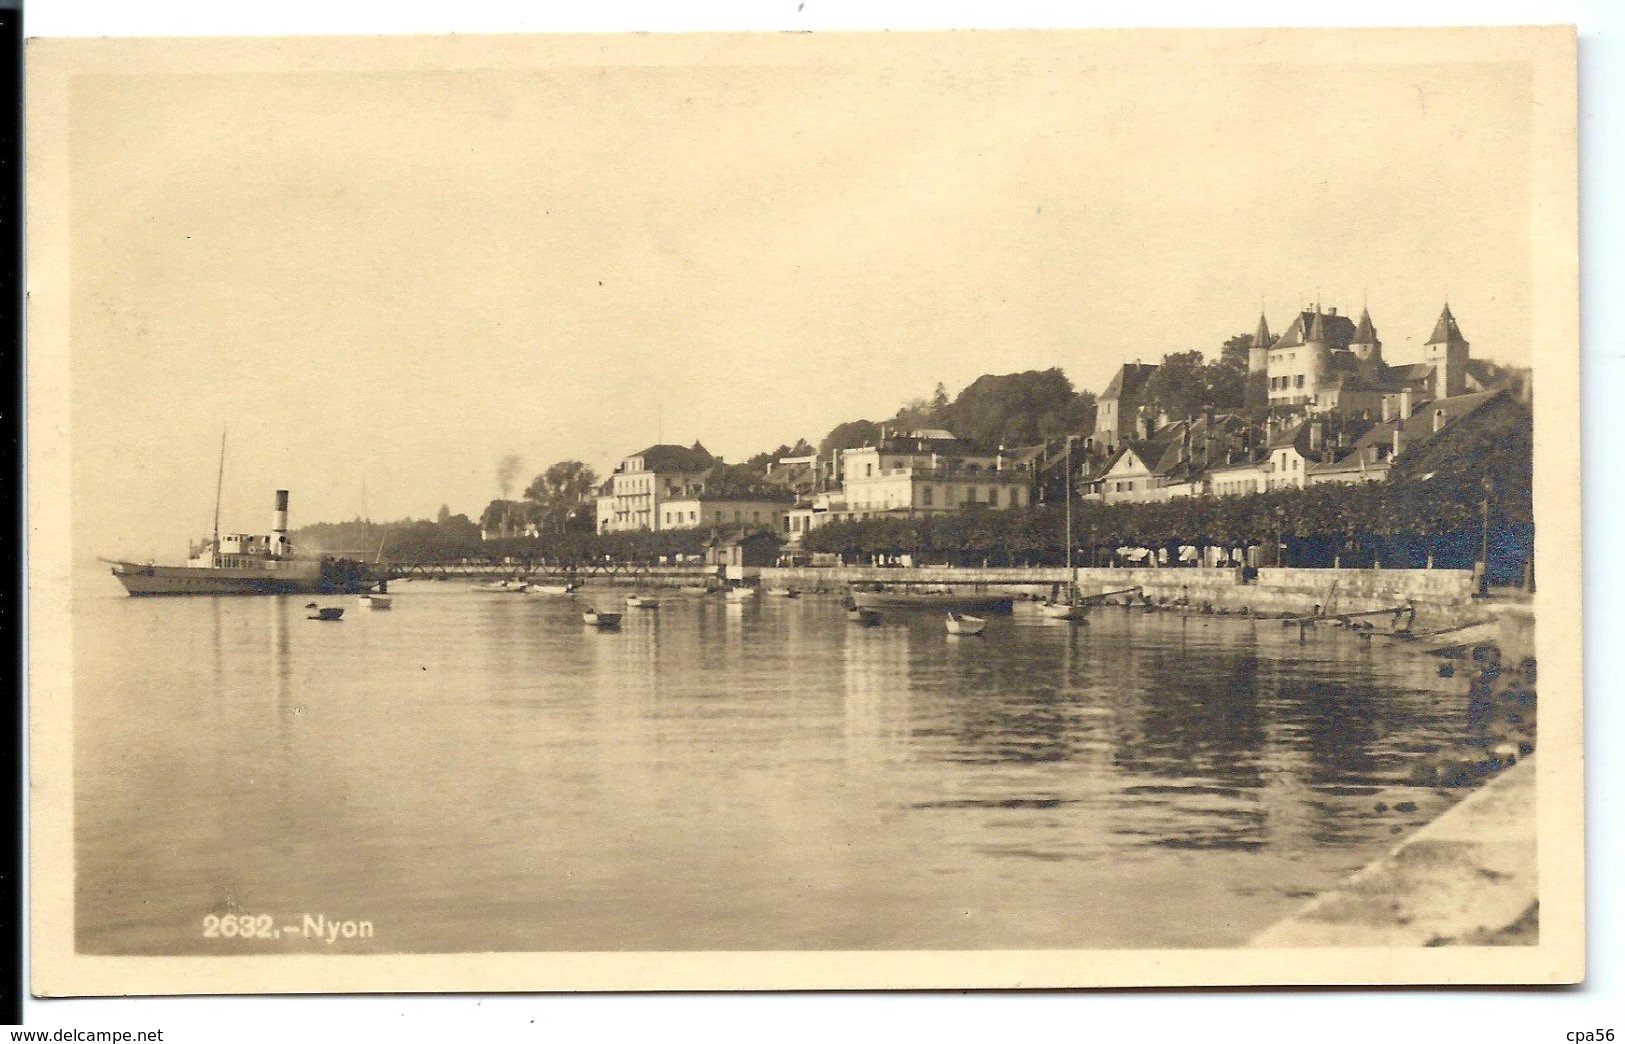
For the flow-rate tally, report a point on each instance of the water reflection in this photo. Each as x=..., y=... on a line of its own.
x=487, y=772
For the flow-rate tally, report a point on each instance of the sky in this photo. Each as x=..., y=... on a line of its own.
x=387, y=279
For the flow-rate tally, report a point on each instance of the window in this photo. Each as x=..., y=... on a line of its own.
x=928, y=496
x=868, y=470
x=1299, y=381
x=993, y=497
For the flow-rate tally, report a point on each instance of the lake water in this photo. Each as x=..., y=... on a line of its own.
x=477, y=772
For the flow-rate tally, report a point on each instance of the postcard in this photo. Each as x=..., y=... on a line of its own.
x=981, y=509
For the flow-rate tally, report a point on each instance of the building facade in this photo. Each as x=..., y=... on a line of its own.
x=706, y=509
x=1117, y=409
x=633, y=496
x=932, y=471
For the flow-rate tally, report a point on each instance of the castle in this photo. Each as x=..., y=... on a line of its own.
x=1324, y=363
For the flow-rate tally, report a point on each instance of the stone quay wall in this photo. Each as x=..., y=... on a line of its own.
x=1441, y=596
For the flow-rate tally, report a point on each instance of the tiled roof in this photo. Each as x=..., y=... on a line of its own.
x=1292, y=436
x=667, y=457
x=1131, y=376
x=1408, y=373
x=1445, y=331
x=1417, y=428
x=1027, y=454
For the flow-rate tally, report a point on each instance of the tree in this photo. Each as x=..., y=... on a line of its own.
x=849, y=435
x=1178, y=387
x=558, y=492
x=1019, y=409
x=443, y=516
x=1184, y=384
x=923, y=412
x=1234, y=354
x=502, y=516
x=762, y=462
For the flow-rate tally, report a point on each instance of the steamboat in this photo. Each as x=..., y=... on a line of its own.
x=246, y=564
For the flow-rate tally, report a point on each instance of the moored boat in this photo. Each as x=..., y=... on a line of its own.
x=959, y=623
x=600, y=619
x=740, y=594
x=376, y=601
x=783, y=592
x=553, y=589
x=859, y=615
x=1073, y=607
x=324, y=612
x=504, y=587
x=642, y=602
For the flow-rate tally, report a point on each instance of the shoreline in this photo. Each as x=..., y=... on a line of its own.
x=1466, y=878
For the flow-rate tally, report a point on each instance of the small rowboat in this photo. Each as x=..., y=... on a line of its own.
x=642, y=602
x=504, y=587
x=601, y=620
x=375, y=601
x=783, y=592
x=331, y=612
x=959, y=623
x=740, y=594
x=552, y=589
x=860, y=615
x=1065, y=610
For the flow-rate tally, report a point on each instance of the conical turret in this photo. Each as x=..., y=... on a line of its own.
x=1261, y=337
x=1445, y=331
x=1365, y=333
x=1258, y=354
x=1447, y=352
x=1366, y=347
x=1317, y=329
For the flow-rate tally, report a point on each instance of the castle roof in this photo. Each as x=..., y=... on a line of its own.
x=1261, y=338
x=1365, y=333
x=1337, y=331
x=1445, y=331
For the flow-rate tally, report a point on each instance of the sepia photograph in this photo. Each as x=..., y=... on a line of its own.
x=804, y=511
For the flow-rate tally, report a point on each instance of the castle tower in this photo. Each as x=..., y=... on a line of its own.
x=1320, y=356
x=1367, y=348
x=1258, y=356
x=1446, y=351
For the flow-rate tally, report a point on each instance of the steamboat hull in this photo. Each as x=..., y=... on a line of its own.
x=314, y=577
x=962, y=603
